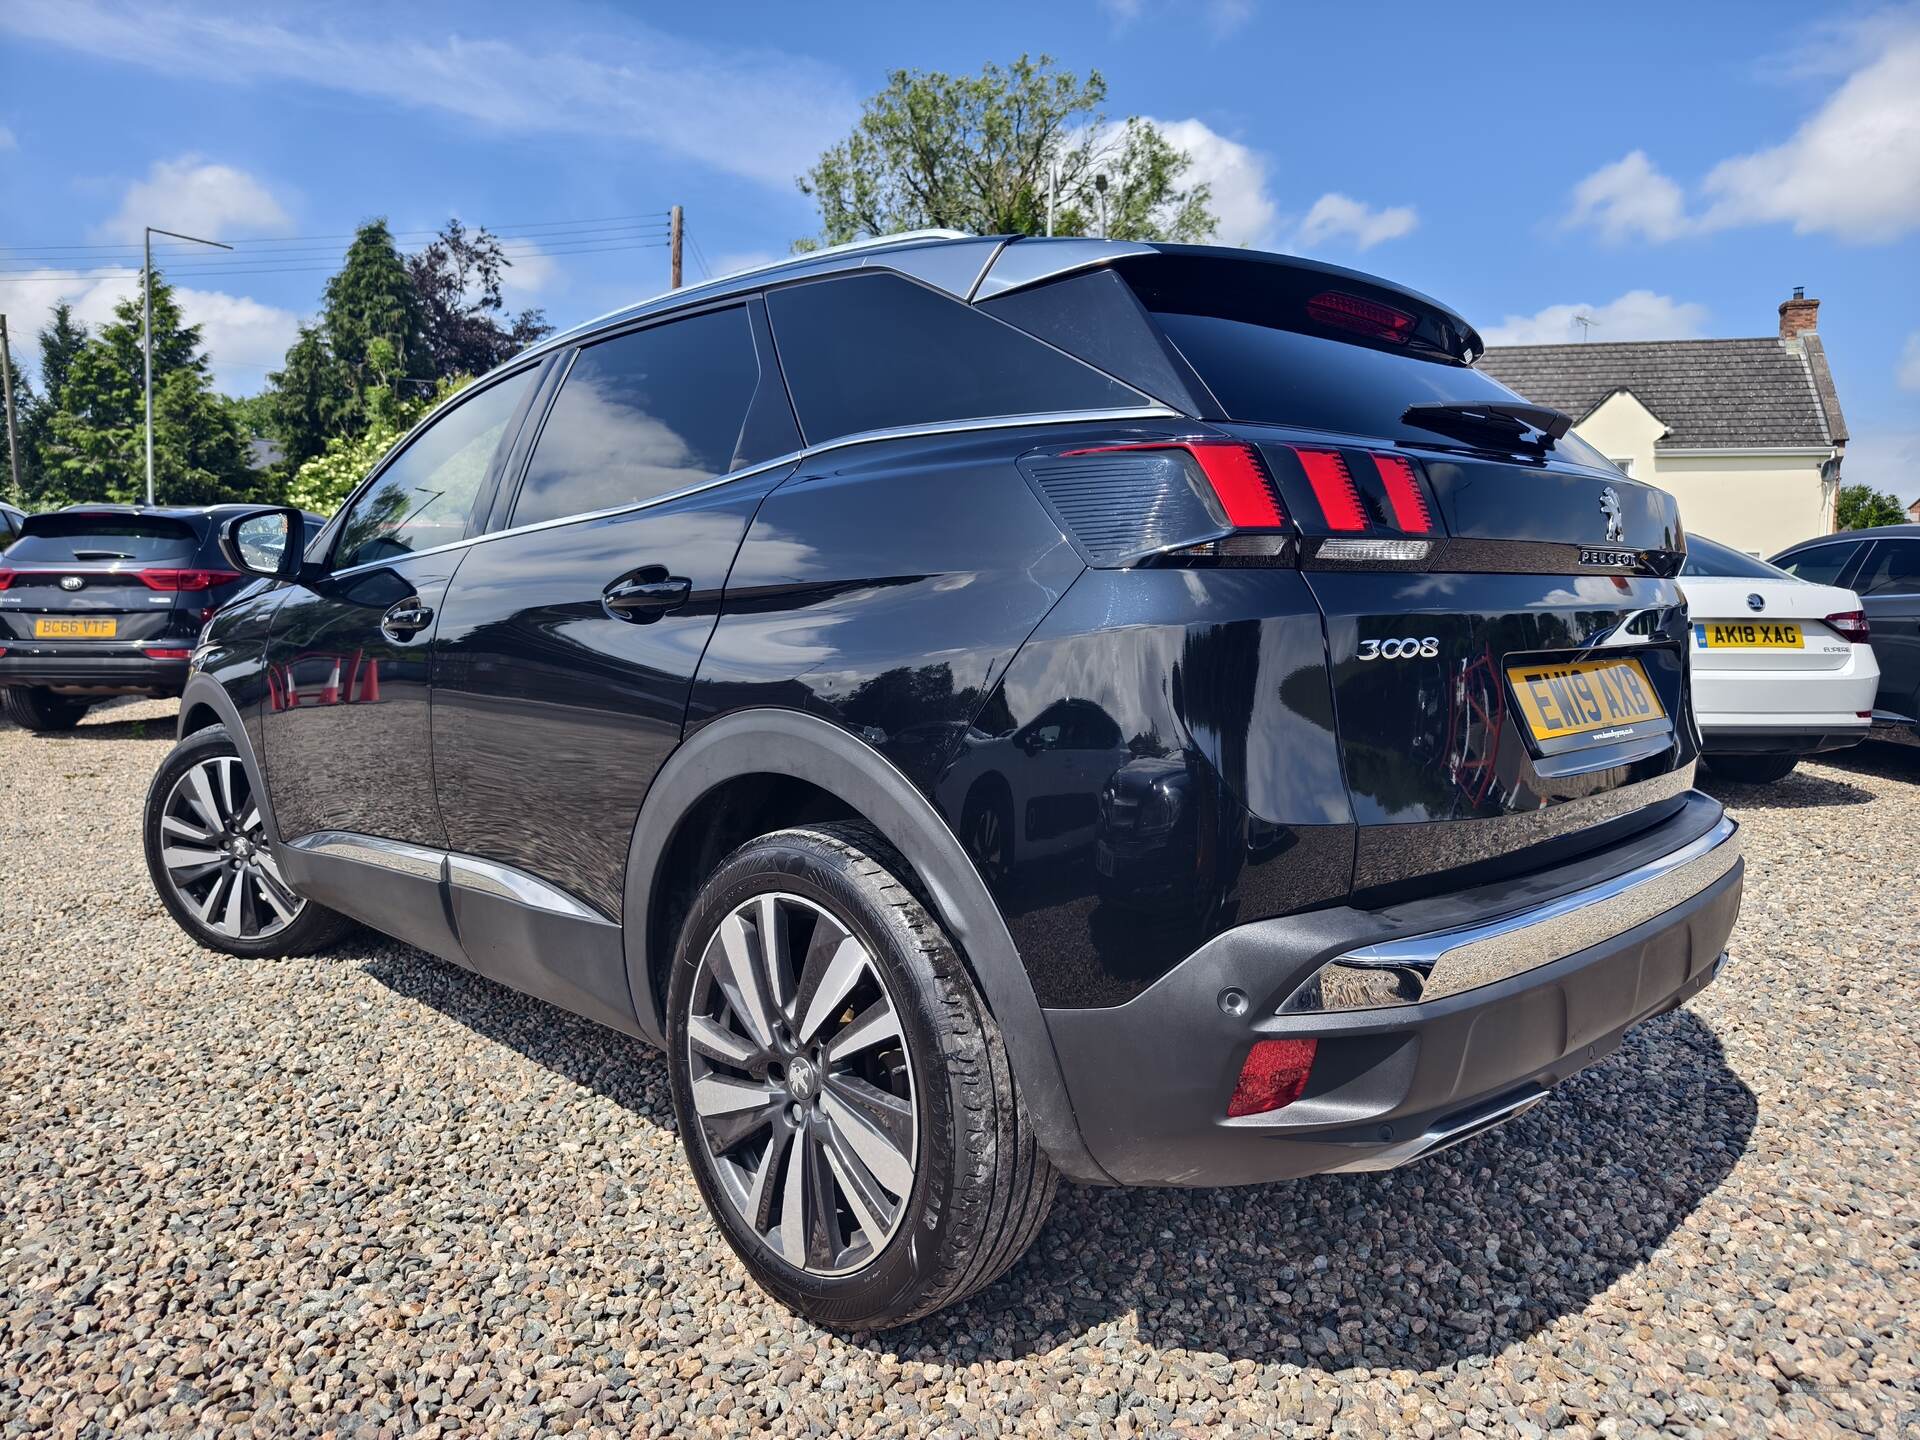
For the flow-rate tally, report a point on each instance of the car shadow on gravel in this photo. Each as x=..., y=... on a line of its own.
x=1799, y=791
x=1453, y=1258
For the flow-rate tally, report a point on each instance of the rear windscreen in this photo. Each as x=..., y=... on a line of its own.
x=55, y=539
x=1293, y=347
x=1710, y=559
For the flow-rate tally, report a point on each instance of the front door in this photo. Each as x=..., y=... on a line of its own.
x=1889, y=589
x=345, y=731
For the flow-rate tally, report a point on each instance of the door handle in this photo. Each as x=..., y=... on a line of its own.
x=644, y=595
x=406, y=618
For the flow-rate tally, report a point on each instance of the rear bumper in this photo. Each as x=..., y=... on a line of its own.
x=1535, y=979
x=1780, y=735
x=128, y=672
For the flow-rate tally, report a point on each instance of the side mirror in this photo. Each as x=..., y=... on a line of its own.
x=266, y=542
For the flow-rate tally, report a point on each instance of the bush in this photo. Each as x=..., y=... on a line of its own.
x=326, y=480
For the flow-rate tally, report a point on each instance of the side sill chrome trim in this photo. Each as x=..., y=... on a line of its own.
x=394, y=855
x=1421, y=968
x=468, y=872
x=792, y=457
x=503, y=882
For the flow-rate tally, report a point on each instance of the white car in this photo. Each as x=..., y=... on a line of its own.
x=1781, y=667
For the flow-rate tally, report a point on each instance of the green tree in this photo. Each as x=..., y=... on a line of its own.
x=307, y=399
x=26, y=410
x=372, y=321
x=325, y=480
x=1857, y=507
x=973, y=153
x=97, y=430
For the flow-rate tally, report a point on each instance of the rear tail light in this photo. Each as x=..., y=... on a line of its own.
x=6, y=578
x=1129, y=502
x=1405, y=496
x=1850, y=625
x=1342, y=311
x=185, y=579
x=1273, y=1076
x=165, y=652
x=1333, y=487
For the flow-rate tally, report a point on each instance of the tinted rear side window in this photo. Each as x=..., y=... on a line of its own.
x=58, y=538
x=1821, y=564
x=1711, y=560
x=1893, y=569
x=643, y=415
x=870, y=352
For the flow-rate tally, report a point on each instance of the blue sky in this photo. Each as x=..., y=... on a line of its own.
x=1667, y=170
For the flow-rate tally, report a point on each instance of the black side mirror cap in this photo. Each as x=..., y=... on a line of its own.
x=248, y=555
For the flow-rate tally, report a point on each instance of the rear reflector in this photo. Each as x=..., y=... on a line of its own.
x=165, y=652
x=1850, y=625
x=1273, y=1077
x=1408, y=501
x=1397, y=550
x=185, y=579
x=1333, y=487
x=1364, y=317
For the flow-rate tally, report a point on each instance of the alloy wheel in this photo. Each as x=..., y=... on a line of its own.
x=214, y=848
x=802, y=1084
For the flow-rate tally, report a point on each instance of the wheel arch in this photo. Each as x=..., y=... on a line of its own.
x=205, y=702
x=822, y=755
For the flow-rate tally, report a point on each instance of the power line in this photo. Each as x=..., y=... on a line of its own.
x=659, y=216
x=46, y=274
x=513, y=243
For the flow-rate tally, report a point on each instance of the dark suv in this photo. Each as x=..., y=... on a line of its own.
x=992, y=710
x=1882, y=566
x=100, y=600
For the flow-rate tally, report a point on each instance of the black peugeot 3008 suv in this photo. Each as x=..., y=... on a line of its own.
x=992, y=709
x=103, y=600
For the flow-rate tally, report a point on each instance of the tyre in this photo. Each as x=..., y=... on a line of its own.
x=842, y=1092
x=1752, y=769
x=208, y=855
x=34, y=707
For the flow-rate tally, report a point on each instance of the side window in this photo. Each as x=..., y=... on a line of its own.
x=643, y=415
x=425, y=497
x=1894, y=569
x=1819, y=564
x=869, y=352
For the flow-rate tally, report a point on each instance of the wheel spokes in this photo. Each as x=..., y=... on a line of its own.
x=827, y=983
x=874, y=1024
x=868, y=1138
x=741, y=980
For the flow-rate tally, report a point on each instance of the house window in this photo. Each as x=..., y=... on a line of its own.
x=1625, y=467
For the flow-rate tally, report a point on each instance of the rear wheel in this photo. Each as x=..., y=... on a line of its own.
x=208, y=854
x=1752, y=769
x=842, y=1091
x=34, y=707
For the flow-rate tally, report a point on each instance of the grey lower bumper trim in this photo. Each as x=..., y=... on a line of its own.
x=1433, y=1141
x=1432, y=966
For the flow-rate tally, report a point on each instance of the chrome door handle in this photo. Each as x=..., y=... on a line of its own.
x=406, y=618
x=644, y=595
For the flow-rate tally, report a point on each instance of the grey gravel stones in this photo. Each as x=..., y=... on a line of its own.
x=369, y=1194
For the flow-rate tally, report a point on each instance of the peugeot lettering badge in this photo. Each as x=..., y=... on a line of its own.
x=71, y=582
x=1610, y=507
x=1756, y=601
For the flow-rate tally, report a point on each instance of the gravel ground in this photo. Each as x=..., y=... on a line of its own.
x=372, y=1194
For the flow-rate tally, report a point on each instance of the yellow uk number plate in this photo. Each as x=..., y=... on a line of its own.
x=77, y=629
x=1747, y=635
x=1574, y=697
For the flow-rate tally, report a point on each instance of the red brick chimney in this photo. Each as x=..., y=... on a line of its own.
x=1798, y=314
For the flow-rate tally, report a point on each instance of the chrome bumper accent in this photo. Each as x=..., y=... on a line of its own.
x=1449, y=962
x=1443, y=1137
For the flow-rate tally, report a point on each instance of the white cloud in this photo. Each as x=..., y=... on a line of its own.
x=1851, y=170
x=1236, y=174
x=7, y=140
x=1636, y=315
x=757, y=113
x=1630, y=198
x=1335, y=218
x=196, y=197
x=1226, y=16
x=1888, y=460
x=530, y=274
x=242, y=337
x=1910, y=363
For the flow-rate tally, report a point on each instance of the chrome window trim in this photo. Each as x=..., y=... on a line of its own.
x=792, y=457
x=1422, y=968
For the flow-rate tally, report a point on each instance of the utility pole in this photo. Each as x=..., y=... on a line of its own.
x=1100, y=186
x=1053, y=184
x=676, y=232
x=146, y=336
x=6, y=383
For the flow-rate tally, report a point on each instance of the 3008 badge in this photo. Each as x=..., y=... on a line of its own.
x=1401, y=648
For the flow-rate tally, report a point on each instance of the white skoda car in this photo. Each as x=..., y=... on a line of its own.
x=1781, y=667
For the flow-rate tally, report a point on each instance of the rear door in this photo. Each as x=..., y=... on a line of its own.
x=1889, y=587
x=345, y=732
x=103, y=582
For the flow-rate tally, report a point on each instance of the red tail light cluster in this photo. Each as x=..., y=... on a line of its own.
x=1273, y=1077
x=185, y=579
x=6, y=578
x=166, y=652
x=1234, y=471
x=1392, y=499
x=1342, y=311
x=1850, y=625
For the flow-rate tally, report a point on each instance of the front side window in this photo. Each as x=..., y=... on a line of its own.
x=425, y=496
x=876, y=352
x=1818, y=564
x=1894, y=569
x=642, y=415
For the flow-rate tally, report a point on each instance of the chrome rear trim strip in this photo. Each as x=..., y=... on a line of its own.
x=1449, y=962
x=1456, y=1130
